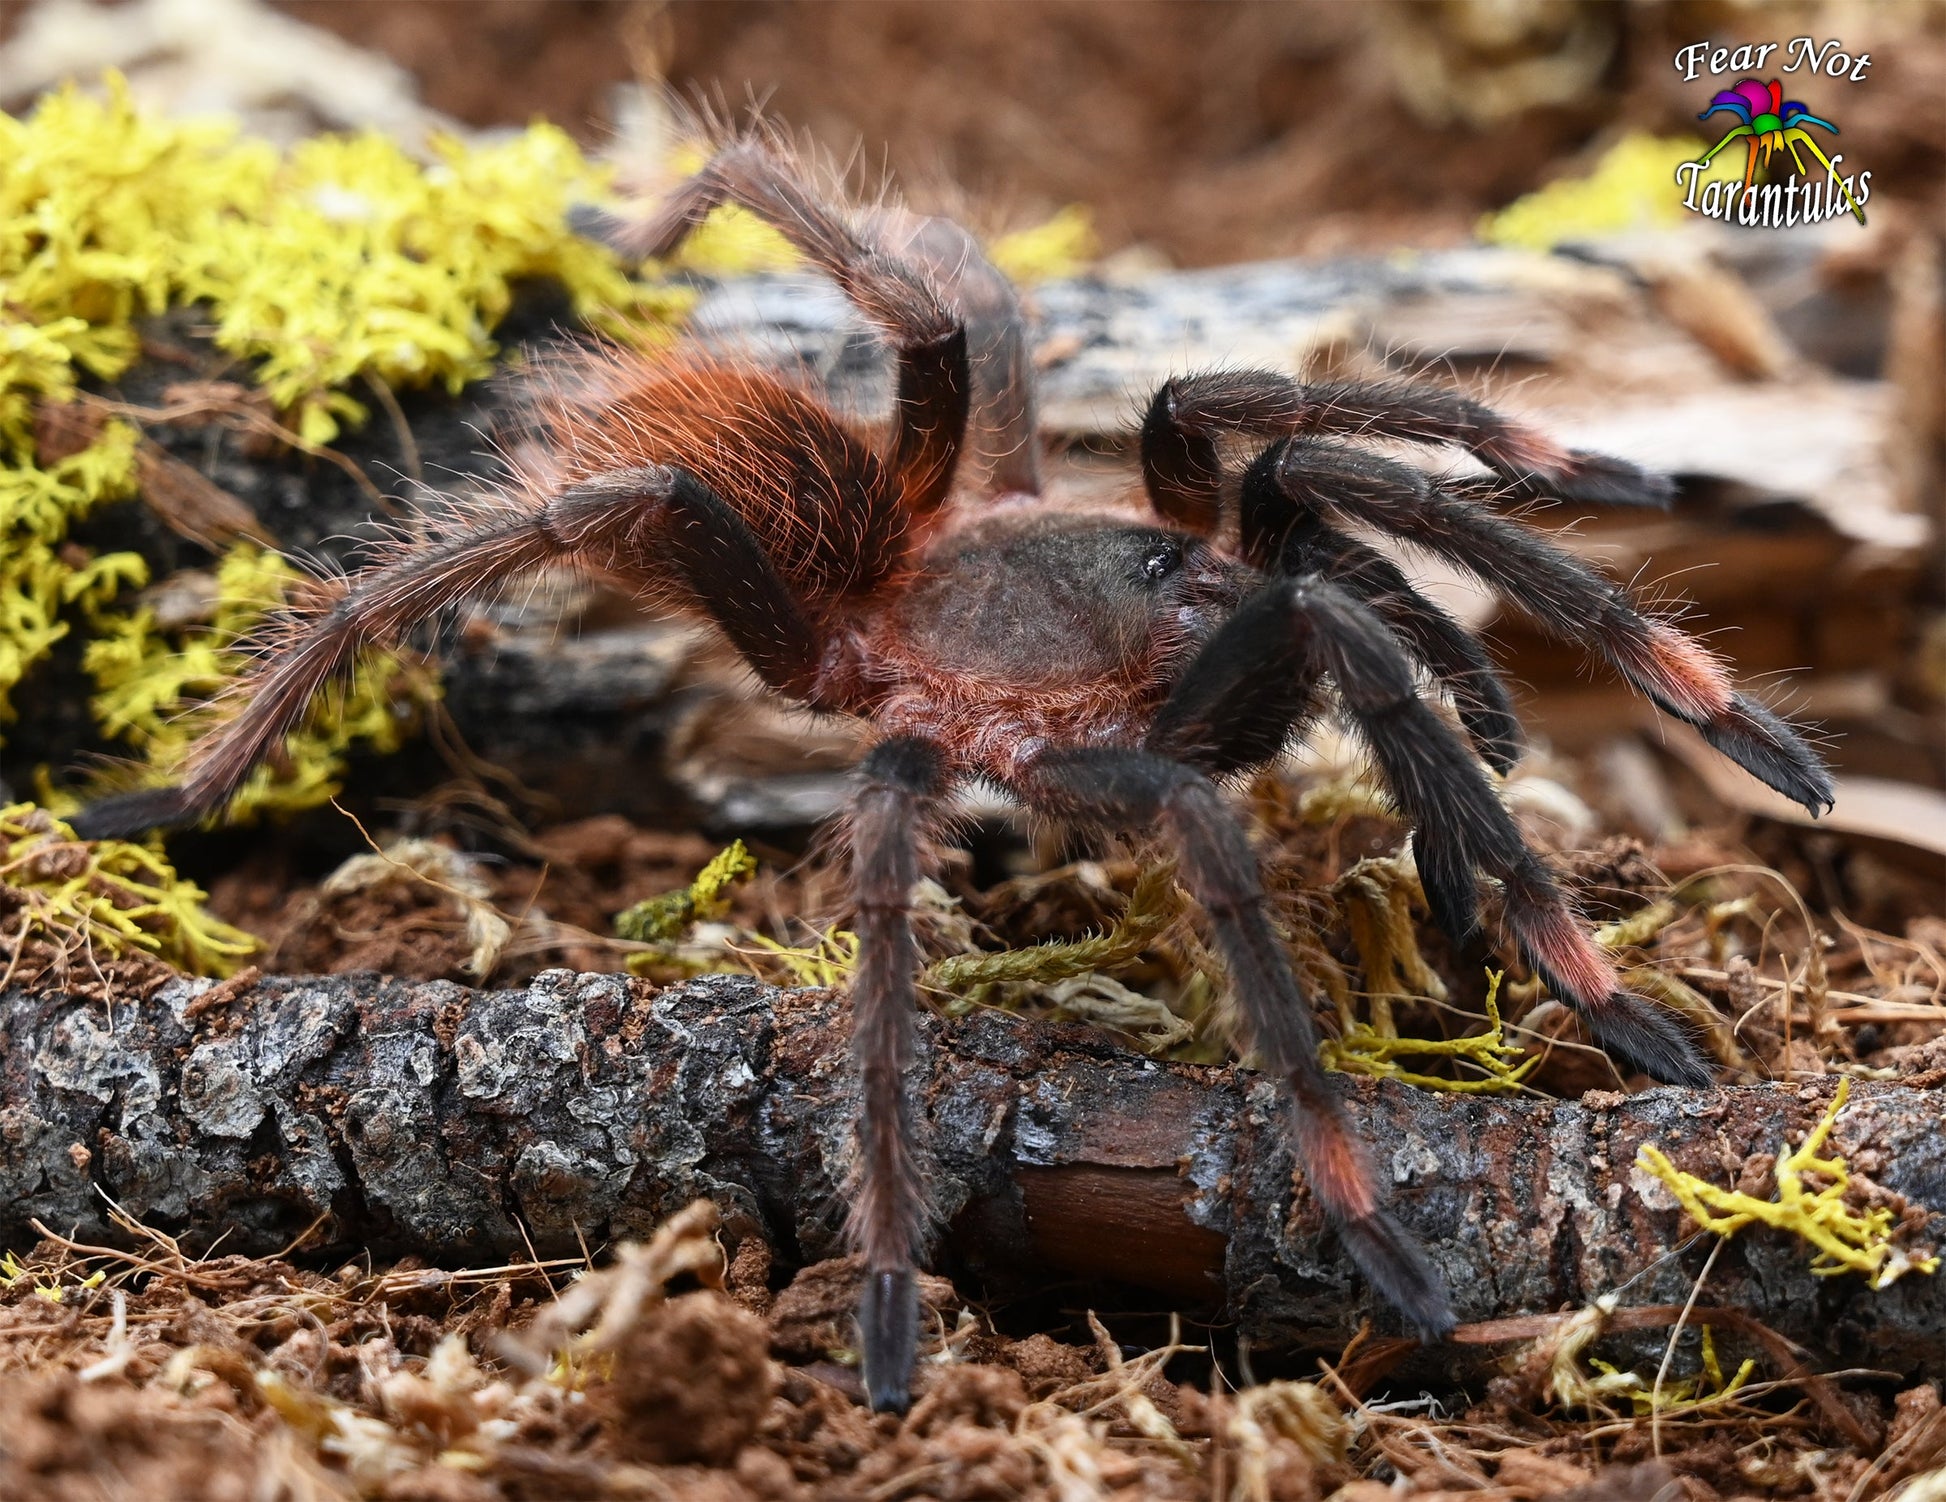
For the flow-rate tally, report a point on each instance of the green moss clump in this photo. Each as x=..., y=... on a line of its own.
x=665, y=919
x=106, y=897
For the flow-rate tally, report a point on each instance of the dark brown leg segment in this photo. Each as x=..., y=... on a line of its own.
x=1281, y=537
x=1563, y=594
x=1003, y=432
x=658, y=521
x=1140, y=790
x=934, y=389
x=901, y=782
x=1191, y=414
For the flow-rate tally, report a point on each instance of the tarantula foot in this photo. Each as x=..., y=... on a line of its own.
x=126, y=814
x=1640, y=1035
x=1452, y=898
x=888, y=1334
x=1400, y=1272
x=1764, y=746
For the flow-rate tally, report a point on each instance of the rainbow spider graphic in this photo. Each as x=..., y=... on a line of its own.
x=1772, y=122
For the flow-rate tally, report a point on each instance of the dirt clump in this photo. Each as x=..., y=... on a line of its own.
x=816, y=1314
x=692, y=1383
x=70, y=1441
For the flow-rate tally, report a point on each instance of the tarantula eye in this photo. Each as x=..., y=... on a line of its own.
x=1161, y=561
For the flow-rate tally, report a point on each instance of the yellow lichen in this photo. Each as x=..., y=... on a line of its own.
x=342, y=259
x=1562, y=1349
x=13, y=1273
x=1633, y=186
x=97, y=207
x=1685, y=1395
x=1061, y=246
x=106, y=897
x=350, y=260
x=1361, y=1050
x=1845, y=1239
x=43, y=580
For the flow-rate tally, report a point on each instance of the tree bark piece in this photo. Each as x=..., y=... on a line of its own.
x=470, y=1125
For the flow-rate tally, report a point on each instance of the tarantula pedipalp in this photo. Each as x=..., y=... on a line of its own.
x=1103, y=670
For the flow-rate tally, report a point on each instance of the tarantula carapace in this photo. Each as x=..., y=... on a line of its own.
x=1103, y=670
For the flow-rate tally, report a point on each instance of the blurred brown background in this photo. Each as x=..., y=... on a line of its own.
x=1208, y=130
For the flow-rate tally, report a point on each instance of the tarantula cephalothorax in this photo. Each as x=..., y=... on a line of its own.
x=1103, y=670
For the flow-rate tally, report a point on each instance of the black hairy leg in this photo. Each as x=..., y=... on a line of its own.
x=1126, y=790
x=1189, y=418
x=1292, y=542
x=1302, y=628
x=656, y=524
x=901, y=781
x=933, y=388
x=1564, y=595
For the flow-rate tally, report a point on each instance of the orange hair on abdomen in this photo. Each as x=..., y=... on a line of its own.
x=807, y=484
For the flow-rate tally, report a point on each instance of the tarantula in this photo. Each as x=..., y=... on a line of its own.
x=1102, y=669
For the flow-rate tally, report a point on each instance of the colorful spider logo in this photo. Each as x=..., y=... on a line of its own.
x=1773, y=123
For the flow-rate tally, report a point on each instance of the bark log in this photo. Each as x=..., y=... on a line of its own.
x=470, y=1125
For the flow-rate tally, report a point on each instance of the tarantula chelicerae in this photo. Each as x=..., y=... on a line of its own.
x=1102, y=670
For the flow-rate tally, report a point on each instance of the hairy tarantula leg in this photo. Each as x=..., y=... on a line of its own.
x=1139, y=789
x=1189, y=415
x=1291, y=542
x=606, y=519
x=1003, y=432
x=901, y=781
x=1563, y=953
x=934, y=387
x=1308, y=625
x=1562, y=593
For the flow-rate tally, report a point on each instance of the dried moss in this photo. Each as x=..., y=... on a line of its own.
x=1152, y=907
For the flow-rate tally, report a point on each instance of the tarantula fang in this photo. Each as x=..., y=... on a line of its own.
x=1104, y=669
